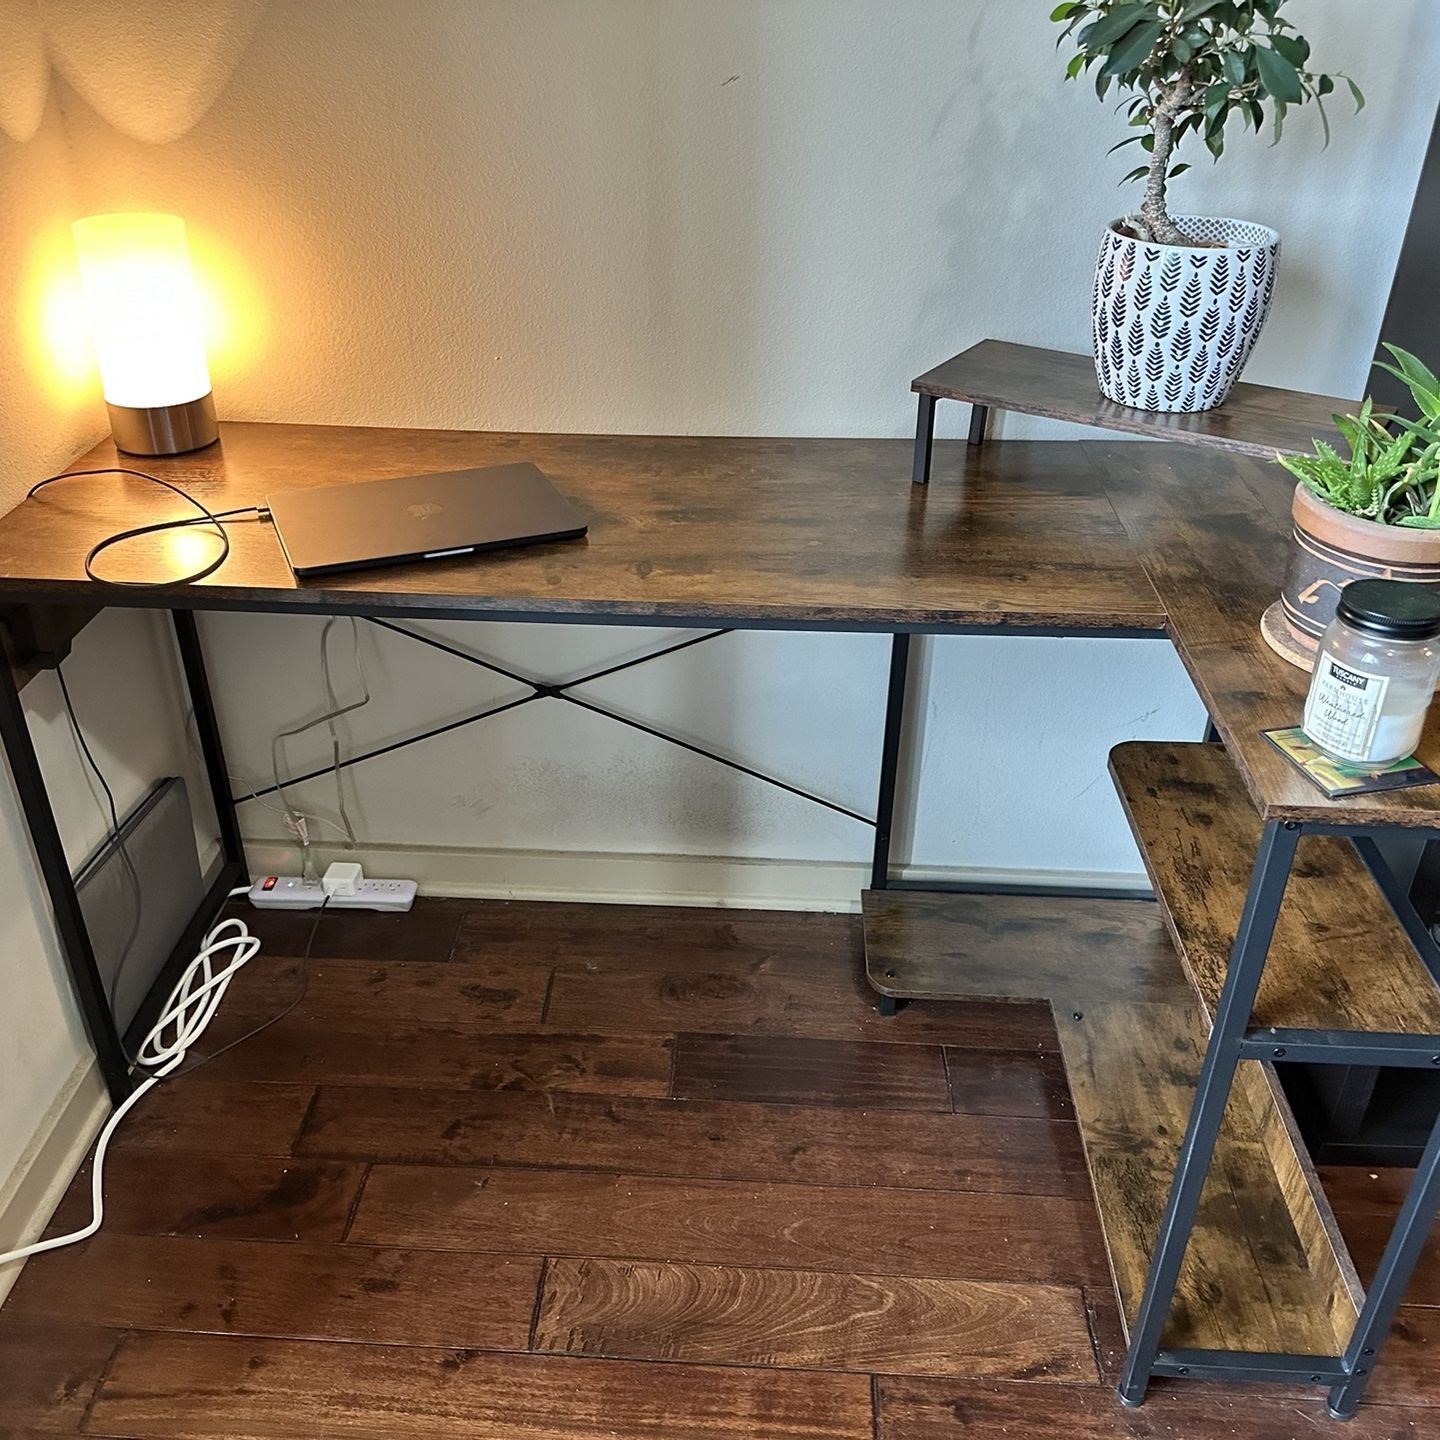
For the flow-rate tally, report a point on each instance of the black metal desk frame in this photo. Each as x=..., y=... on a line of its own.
x=1234, y=1038
x=114, y=1051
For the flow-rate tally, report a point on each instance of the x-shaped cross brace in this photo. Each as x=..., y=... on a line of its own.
x=546, y=690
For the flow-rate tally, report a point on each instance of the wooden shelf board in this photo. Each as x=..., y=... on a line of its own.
x=1339, y=959
x=1249, y=1281
x=1214, y=535
x=1255, y=420
x=1265, y=1269
x=933, y=946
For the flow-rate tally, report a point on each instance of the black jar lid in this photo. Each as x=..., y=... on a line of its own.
x=1399, y=609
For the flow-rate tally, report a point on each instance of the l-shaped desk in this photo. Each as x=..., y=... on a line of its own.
x=1091, y=538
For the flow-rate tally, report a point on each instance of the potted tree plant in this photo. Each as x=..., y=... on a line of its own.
x=1375, y=512
x=1180, y=300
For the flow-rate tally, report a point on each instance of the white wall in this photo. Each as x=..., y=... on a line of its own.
x=761, y=216
x=122, y=666
x=41, y=426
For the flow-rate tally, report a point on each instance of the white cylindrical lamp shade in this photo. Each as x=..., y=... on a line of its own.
x=144, y=309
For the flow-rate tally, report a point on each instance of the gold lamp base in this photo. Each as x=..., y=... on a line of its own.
x=164, y=429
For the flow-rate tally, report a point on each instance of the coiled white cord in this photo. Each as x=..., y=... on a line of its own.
x=183, y=1019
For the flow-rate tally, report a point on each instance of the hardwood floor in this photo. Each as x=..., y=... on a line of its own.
x=558, y=1172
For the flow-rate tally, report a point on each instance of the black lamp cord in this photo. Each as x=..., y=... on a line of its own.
x=118, y=835
x=205, y=516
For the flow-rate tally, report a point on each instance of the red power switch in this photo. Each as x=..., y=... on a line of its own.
x=270, y=882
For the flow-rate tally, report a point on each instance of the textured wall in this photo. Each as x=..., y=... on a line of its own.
x=762, y=216
x=46, y=415
x=41, y=425
x=122, y=670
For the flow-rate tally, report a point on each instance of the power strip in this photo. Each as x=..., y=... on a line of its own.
x=290, y=892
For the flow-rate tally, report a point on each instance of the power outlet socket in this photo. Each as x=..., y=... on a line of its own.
x=290, y=892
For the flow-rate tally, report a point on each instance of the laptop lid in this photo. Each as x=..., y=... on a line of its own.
x=419, y=517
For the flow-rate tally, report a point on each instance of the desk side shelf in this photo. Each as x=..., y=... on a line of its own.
x=1265, y=1286
x=1265, y=1270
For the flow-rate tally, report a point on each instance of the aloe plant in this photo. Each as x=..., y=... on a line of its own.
x=1393, y=479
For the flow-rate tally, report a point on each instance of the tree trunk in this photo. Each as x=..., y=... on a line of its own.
x=1154, y=211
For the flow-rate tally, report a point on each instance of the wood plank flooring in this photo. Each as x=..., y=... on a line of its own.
x=555, y=1172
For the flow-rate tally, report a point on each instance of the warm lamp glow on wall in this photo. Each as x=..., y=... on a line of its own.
x=145, y=319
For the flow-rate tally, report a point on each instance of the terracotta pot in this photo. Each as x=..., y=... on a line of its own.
x=1332, y=549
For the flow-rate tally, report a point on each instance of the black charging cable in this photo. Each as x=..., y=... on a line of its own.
x=206, y=516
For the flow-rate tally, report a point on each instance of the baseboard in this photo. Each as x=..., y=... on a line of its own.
x=49, y=1163
x=651, y=879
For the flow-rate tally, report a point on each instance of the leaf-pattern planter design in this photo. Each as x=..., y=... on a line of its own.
x=1174, y=325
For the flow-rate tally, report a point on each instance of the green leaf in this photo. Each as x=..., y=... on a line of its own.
x=1076, y=65
x=1414, y=368
x=1114, y=26
x=1178, y=170
x=1295, y=48
x=1418, y=378
x=1233, y=64
x=1279, y=77
x=1132, y=52
x=1325, y=85
x=1065, y=10
x=1139, y=173
x=1356, y=91
x=1198, y=8
x=1216, y=97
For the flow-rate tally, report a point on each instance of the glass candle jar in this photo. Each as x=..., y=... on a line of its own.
x=1375, y=673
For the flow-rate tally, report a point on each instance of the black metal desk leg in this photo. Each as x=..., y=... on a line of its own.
x=890, y=760
x=979, y=419
x=1217, y=1074
x=60, y=885
x=1425, y=886
x=1397, y=1265
x=924, y=439
x=192, y=661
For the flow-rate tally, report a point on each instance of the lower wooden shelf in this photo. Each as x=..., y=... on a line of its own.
x=1265, y=1269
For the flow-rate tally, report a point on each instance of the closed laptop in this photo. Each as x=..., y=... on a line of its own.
x=331, y=528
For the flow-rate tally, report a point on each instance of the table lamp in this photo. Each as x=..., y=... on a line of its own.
x=144, y=312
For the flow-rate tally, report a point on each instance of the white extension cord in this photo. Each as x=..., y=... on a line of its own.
x=184, y=1018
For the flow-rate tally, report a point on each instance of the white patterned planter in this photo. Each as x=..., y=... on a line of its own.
x=1174, y=325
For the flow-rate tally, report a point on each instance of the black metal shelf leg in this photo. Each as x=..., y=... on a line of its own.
x=1397, y=1265
x=1212, y=1092
x=207, y=726
x=924, y=439
x=74, y=938
x=979, y=422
